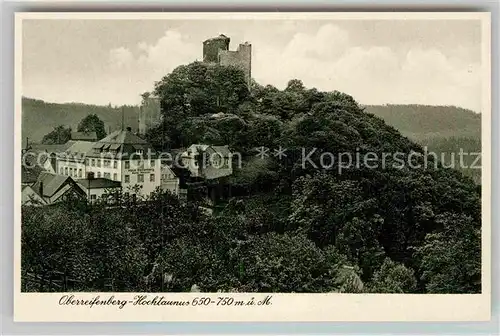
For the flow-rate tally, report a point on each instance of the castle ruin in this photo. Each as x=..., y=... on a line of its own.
x=216, y=50
x=149, y=113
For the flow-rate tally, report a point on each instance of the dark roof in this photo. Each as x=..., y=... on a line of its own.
x=51, y=183
x=30, y=175
x=85, y=136
x=122, y=137
x=78, y=149
x=52, y=148
x=98, y=183
x=123, y=142
x=222, y=150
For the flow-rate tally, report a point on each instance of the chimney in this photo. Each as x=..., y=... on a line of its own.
x=90, y=175
x=40, y=189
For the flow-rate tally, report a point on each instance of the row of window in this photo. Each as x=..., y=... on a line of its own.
x=114, y=163
x=152, y=164
x=73, y=172
x=140, y=178
x=105, y=163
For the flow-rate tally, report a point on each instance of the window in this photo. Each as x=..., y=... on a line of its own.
x=98, y=162
x=98, y=174
x=61, y=171
x=106, y=163
x=88, y=162
x=127, y=178
x=107, y=175
x=152, y=164
x=115, y=176
x=65, y=170
x=71, y=172
x=80, y=173
x=127, y=164
x=140, y=178
x=151, y=177
x=92, y=162
x=115, y=164
x=139, y=151
x=93, y=197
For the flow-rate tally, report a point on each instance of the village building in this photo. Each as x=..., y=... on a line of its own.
x=207, y=162
x=100, y=188
x=122, y=157
x=30, y=198
x=50, y=189
x=84, y=136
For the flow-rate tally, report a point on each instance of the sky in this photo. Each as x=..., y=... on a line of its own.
x=432, y=62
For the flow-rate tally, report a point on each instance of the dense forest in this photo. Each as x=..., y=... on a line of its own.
x=40, y=118
x=289, y=226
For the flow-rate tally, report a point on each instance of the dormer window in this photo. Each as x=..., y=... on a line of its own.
x=139, y=151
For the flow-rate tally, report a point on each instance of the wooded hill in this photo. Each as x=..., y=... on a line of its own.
x=287, y=226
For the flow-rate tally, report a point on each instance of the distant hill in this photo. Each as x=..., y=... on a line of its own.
x=39, y=117
x=443, y=129
x=423, y=122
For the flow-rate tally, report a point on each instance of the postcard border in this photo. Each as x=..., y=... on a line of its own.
x=485, y=127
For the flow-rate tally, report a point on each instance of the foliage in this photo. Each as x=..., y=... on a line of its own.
x=451, y=256
x=92, y=123
x=393, y=278
x=401, y=223
x=59, y=135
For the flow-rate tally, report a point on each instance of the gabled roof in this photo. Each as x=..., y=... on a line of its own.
x=122, y=137
x=123, y=142
x=52, y=148
x=85, y=136
x=98, y=183
x=79, y=148
x=222, y=150
x=51, y=183
x=30, y=175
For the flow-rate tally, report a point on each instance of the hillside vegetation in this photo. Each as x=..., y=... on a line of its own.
x=40, y=118
x=401, y=223
x=423, y=122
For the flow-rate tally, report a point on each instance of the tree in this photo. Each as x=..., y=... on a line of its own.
x=393, y=278
x=92, y=123
x=285, y=263
x=60, y=135
x=295, y=85
x=451, y=256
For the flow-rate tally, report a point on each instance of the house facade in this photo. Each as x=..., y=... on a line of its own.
x=121, y=157
x=207, y=162
x=52, y=188
x=100, y=188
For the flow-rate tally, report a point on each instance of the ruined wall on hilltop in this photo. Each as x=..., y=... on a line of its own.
x=241, y=58
x=212, y=46
x=149, y=114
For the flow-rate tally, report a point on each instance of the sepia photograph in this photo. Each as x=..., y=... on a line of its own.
x=240, y=155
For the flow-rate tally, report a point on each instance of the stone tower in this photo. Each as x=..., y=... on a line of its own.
x=216, y=50
x=149, y=113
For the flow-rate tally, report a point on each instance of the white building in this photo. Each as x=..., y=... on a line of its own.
x=208, y=162
x=98, y=188
x=123, y=157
